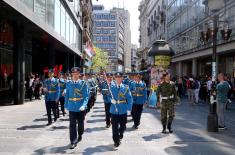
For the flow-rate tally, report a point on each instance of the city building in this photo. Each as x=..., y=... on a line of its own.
x=87, y=37
x=34, y=35
x=111, y=31
x=152, y=26
x=134, y=61
x=186, y=19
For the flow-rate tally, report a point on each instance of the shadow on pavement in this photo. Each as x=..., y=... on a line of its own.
x=95, y=120
x=98, y=115
x=59, y=127
x=49, y=150
x=98, y=149
x=40, y=119
x=64, y=119
x=89, y=130
x=155, y=136
x=98, y=107
x=95, y=111
x=31, y=127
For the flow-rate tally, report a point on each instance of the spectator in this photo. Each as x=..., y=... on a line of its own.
x=209, y=84
x=196, y=90
x=221, y=99
x=191, y=89
x=179, y=85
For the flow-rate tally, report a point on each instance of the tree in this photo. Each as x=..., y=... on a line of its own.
x=100, y=60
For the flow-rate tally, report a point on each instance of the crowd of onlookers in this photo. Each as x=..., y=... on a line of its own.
x=198, y=89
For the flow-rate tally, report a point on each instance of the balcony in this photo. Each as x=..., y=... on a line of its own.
x=86, y=35
x=85, y=9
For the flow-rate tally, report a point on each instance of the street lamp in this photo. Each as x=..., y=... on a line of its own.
x=212, y=31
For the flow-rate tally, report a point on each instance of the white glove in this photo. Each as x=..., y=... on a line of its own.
x=82, y=108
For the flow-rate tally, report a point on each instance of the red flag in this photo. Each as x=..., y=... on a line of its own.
x=56, y=70
x=45, y=70
x=60, y=68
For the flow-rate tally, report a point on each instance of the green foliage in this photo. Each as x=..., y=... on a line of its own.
x=100, y=60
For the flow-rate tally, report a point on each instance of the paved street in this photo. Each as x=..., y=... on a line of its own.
x=23, y=131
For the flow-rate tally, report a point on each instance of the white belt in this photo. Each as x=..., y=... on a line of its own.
x=165, y=98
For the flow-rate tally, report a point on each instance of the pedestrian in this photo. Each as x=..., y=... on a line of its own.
x=191, y=90
x=179, y=86
x=31, y=87
x=228, y=79
x=122, y=99
x=37, y=87
x=76, y=98
x=221, y=99
x=51, y=89
x=209, y=84
x=62, y=82
x=139, y=99
x=105, y=91
x=196, y=90
x=168, y=98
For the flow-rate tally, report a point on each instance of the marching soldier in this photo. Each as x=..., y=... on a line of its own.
x=62, y=82
x=168, y=98
x=52, y=93
x=139, y=99
x=105, y=91
x=76, y=99
x=121, y=100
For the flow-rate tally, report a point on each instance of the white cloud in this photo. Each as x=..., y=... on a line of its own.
x=132, y=7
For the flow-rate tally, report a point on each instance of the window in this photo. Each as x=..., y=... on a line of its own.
x=40, y=8
x=105, y=31
x=112, y=31
x=105, y=24
x=67, y=27
x=50, y=12
x=29, y=3
x=113, y=17
x=57, y=16
x=62, y=30
x=71, y=31
x=112, y=38
x=112, y=24
x=98, y=31
x=98, y=24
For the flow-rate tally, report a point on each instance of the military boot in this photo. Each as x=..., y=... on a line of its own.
x=169, y=127
x=164, y=129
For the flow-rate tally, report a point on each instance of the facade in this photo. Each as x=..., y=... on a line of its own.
x=185, y=21
x=152, y=26
x=87, y=37
x=35, y=34
x=109, y=34
x=134, y=61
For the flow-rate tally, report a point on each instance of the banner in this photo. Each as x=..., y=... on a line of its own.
x=162, y=60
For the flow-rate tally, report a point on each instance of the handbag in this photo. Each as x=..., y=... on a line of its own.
x=152, y=99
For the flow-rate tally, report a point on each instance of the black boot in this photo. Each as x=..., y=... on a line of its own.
x=169, y=128
x=164, y=129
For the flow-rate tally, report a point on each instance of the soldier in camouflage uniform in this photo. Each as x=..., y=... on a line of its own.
x=168, y=98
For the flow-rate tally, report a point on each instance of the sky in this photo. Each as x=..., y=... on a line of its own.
x=132, y=7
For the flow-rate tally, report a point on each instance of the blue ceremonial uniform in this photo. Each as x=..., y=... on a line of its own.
x=140, y=97
x=53, y=89
x=76, y=95
x=105, y=91
x=123, y=96
x=76, y=100
x=91, y=89
x=123, y=101
x=51, y=97
x=62, y=98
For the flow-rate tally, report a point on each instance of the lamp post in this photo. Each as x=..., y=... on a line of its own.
x=214, y=6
